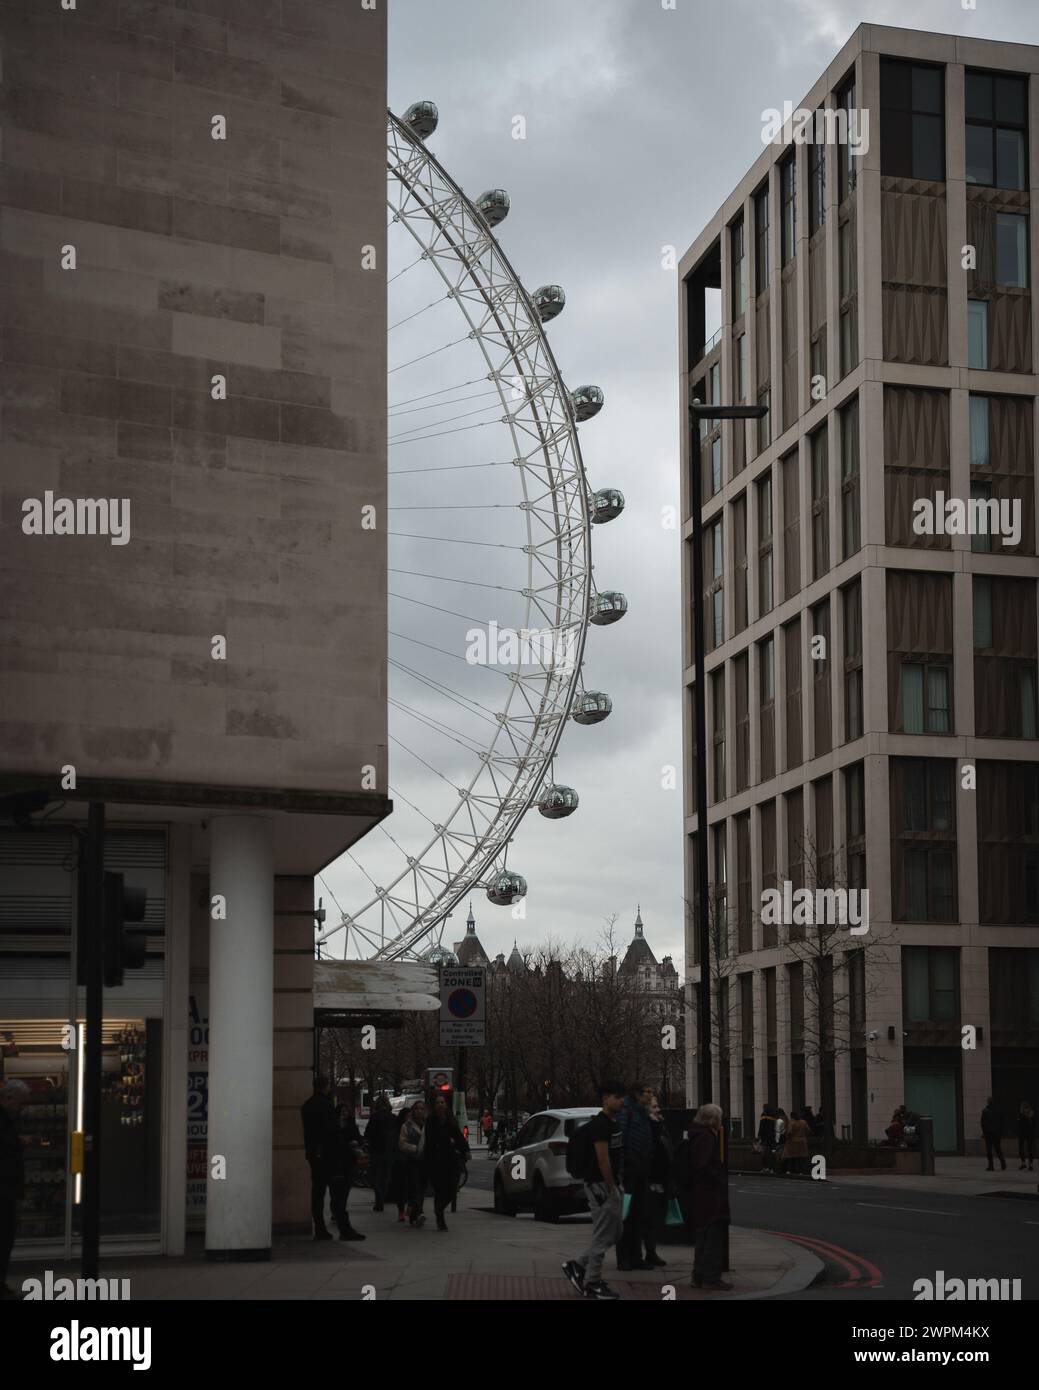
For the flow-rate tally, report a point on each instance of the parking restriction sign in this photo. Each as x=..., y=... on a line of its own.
x=462, y=1005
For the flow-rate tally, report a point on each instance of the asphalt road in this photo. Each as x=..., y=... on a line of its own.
x=877, y=1241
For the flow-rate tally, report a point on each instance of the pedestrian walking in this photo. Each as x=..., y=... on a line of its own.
x=397, y=1191
x=445, y=1151
x=767, y=1138
x=704, y=1196
x=1026, y=1135
x=659, y=1184
x=637, y=1143
x=13, y=1095
x=992, y=1133
x=796, y=1149
x=344, y=1158
x=379, y=1134
x=486, y=1126
x=810, y=1120
x=781, y=1127
x=320, y=1148
x=412, y=1144
x=594, y=1155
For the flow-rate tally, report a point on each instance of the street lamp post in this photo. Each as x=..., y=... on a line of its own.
x=697, y=412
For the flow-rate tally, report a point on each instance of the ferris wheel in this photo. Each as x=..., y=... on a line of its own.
x=491, y=583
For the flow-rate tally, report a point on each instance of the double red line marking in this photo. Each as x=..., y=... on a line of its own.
x=862, y=1274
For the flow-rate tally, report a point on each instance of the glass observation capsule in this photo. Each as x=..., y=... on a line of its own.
x=506, y=888
x=549, y=301
x=607, y=504
x=441, y=955
x=422, y=117
x=494, y=206
x=557, y=802
x=592, y=707
x=607, y=607
x=587, y=401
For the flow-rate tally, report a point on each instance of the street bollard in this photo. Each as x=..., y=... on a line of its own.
x=926, y=1127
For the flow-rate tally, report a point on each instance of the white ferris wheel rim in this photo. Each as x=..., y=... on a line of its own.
x=454, y=236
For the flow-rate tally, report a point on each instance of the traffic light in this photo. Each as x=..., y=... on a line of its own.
x=123, y=950
x=440, y=1082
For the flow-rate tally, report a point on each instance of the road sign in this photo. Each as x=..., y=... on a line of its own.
x=462, y=1007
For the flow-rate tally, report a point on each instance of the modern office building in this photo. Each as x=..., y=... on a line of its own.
x=193, y=612
x=870, y=670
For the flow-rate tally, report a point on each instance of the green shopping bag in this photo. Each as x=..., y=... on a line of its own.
x=625, y=1206
x=674, y=1214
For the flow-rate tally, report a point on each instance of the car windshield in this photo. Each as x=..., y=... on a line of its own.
x=575, y=1123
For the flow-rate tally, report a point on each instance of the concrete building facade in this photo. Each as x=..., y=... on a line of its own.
x=870, y=674
x=193, y=567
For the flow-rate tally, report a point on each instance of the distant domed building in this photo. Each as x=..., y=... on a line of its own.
x=640, y=966
x=469, y=951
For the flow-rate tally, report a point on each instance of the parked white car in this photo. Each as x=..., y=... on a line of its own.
x=532, y=1176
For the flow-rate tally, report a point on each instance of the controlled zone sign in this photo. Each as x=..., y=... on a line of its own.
x=462, y=1007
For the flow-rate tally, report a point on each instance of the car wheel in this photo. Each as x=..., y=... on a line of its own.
x=502, y=1205
x=544, y=1208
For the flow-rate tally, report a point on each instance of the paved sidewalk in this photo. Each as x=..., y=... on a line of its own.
x=482, y=1256
x=961, y=1177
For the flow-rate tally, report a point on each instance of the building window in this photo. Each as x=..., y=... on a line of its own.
x=718, y=730
x=742, y=373
x=820, y=503
x=791, y=525
x=981, y=541
x=912, y=130
x=855, y=824
x=741, y=680
x=849, y=428
x=788, y=207
x=765, y=423
x=765, y=591
x=739, y=565
x=929, y=984
x=816, y=187
x=714, y=592
x=1008, y=845
x=767, y=706
x=982, y=613
x=852, y=601
x=739, y=279
x=847, y=173
x=849, y=319
x=924, y=852
x=1012, y=250
x=925, y=698
x=977, y=334
x=996, y=133
x=762, y=269
x=979, y=431
x=792, y=691
x=821, y=679
x=721, y=915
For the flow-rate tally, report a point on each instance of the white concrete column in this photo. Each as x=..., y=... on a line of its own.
x=241, y=1038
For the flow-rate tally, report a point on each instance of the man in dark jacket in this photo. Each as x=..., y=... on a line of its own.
x=705, y=1196
x=380, y=1134
x=345, y=1155
x=992, y=1133
x=637, y=1161
x=321, y=1145
x=13, y=1095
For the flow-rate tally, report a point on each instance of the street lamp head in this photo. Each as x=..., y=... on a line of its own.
x=727, y=412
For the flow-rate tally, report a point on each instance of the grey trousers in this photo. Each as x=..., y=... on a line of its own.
x=607, y=1224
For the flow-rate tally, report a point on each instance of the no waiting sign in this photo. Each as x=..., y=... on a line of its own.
x=462, y=1007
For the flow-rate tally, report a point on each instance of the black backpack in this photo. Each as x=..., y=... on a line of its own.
x=579, y=1151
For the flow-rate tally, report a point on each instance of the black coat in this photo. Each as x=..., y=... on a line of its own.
x=663, y=1155
x=320, y=1129
x=12, y=1160
x=381, y=1133
x=991, y=1122
x=1025, y=1126
x=444, y=1147
x=703, y=1178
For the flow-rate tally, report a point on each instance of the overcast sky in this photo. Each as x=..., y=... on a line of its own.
x=639, y=121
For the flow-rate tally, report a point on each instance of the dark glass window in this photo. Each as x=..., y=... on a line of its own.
x=788, y=202
x=816, y=187
x=847, y=174
x=996, y=133
x=761, y=231
x=912, y=130
x=739, y=265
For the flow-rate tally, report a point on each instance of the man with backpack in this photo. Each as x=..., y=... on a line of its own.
x=593, y=1155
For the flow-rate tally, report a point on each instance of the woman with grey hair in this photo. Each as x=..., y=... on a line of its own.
x=705, y=1199
x=13, y=1095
